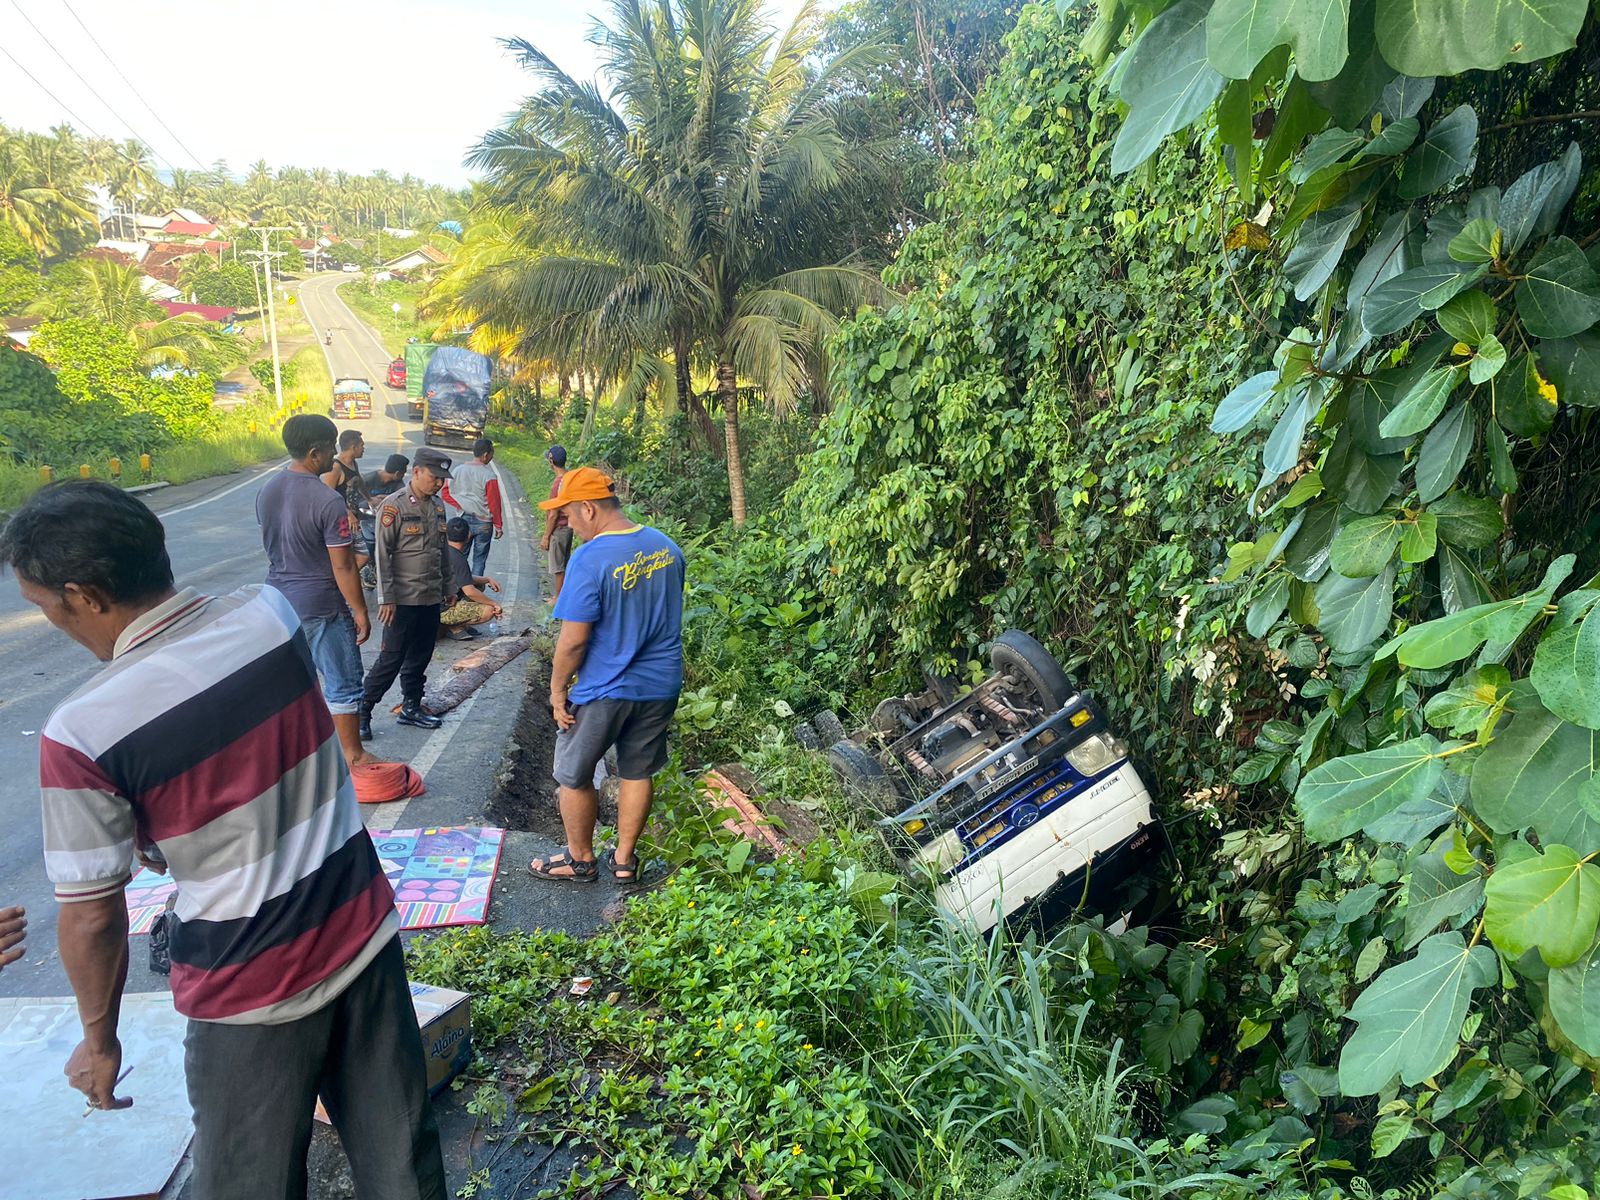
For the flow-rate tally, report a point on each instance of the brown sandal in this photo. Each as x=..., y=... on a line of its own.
x=577, y=870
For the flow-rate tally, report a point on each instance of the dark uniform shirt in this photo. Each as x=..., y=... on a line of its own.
x=410, y=550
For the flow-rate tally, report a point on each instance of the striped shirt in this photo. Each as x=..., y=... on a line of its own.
x=206, y=737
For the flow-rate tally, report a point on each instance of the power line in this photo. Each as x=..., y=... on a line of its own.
x=109, y=107
x=51, y=94
x=133, y=89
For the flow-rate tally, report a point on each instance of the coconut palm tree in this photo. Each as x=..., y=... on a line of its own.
x=698, y=205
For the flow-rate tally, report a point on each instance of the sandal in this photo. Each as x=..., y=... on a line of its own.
x=622, y=872
x=575, y=870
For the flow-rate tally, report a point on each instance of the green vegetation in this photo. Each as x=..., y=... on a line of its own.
x=375, y=303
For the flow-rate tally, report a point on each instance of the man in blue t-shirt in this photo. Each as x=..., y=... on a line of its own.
x=617, y=671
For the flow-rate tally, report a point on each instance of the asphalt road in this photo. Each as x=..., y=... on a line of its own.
x=214, y=543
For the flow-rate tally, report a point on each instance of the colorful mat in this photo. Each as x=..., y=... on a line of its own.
x=440, y=876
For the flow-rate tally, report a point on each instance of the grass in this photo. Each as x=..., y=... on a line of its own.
x=244, y=437
x=373, y=302
x=312, y=383
x=523, y=452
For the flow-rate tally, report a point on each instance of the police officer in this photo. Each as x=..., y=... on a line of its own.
x=413, y=582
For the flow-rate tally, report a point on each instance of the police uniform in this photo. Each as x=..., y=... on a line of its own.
x=413, y=575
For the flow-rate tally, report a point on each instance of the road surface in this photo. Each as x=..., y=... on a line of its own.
x=214, y=544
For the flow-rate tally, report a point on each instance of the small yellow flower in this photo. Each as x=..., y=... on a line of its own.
x=719, y=1022
x=808, y=1046
x=1461, y=350
x=772, y=922
x=801, y=919
x=807, y=950
x=736, y=922
x=739, y=1028
x=691, y=904
x=718, y=950
x=761, y=1024
x=797, y=1151
x=698, y=1053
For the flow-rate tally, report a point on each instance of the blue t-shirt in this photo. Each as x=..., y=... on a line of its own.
x=628, y=586
x=300, y=518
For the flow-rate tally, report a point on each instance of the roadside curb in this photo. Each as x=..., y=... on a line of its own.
x=154, y=487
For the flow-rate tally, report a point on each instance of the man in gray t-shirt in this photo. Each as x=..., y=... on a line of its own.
x=306, y=530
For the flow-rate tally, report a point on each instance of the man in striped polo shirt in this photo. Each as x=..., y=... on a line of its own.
x=205, y=745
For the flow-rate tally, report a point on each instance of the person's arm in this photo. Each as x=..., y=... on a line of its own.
x=387, y=537
x=549, y=528
x=13, y=935
x=473, y=593
x=93, y=939
x=343, y=559
x=571, y=647
x=444, y=495
x=491, y=495
x=331, y=476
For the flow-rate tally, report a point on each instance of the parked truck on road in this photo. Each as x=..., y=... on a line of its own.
x=455, y=393
x=352, y=399
x=417, y=356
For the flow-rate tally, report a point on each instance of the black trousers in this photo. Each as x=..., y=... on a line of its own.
x=407, y=651
x=252, y=1088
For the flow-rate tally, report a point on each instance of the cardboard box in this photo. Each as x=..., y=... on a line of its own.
x=445, y=1019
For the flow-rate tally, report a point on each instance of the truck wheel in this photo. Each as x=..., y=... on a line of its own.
x=805, y=736
x=861, y=775
x=893, y=718
x=829, y=728
x=1015, y=653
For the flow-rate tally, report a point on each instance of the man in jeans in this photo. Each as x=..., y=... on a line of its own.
x=306, y=529
x=475, y=489
x=204, y=742
x=616, y=673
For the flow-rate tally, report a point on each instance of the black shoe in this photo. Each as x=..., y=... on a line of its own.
x=412, y=714
x=366, y=725
x=463, y=634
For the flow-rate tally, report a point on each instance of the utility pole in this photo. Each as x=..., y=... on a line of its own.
x=266, y=255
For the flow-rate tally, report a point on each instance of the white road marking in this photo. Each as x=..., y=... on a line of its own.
x=228, y=491
x=390, y=815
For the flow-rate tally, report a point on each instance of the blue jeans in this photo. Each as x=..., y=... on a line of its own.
x=478, y=548
x=338, y=660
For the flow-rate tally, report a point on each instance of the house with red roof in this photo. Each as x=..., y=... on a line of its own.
x=210, y=312
x=197, y=229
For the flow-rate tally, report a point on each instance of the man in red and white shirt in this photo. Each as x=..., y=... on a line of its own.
x=205, y=748
x=474, y=488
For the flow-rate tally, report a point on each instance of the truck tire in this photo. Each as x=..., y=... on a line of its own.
x=862, y=775
x=829, y=728
x=805, y=736
x=1021, y=656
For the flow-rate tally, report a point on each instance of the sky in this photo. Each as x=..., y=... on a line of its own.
x=353, y=85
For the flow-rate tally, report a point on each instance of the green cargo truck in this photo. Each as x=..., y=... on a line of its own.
x=418, y=355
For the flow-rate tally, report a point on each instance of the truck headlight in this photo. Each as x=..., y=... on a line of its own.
x=944, y=852
x=1095, y=753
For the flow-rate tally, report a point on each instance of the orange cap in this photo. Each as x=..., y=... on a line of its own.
x=585, y=483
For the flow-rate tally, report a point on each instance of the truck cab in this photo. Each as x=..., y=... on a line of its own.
x=352, y=399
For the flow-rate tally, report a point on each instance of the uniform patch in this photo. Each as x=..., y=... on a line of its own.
x=388, y=517
x=413, y=530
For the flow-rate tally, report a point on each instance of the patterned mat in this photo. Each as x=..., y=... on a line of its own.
x=441, y=876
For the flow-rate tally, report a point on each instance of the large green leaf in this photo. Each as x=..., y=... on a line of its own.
x=1436, y=893
x=1388, y=255
x=1306, y=555
x=1448, y=150
x=1575, y=1001
x=1449, y=37
x=1548, y=902
x=1322, y=151
x=1404, y=96
x=1268, y=606
x=1365, y=546
x=1240, y=406
x=1318, y=248
x=1469, y=318
x=1355, y=612
x=1462, y=708
x=1419, y=538
x=1560, y=295
x=1282, y=449
x=1347, y=794
x=1461, y=586
x=1408, y=1020
x=1475, y=243
x=1397, y=302
x=1446, y=640
x=1240, y=33
x=1358, y=88
x=1535, y=201
x=1394, y=138
x=1566, y=671
x=1444, y=452
x=1573, y=366
x=1488, y=361
x=1520, y=406
x=1421, y=406
x=1471, y=522
x=1530, y=775
x=1166, y=84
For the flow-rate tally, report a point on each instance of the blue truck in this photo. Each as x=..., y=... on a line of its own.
x=455, y=397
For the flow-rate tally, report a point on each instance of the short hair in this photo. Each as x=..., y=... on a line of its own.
x=481, y=447
x=304, y=433
x=92, y=534
x=349, y=438
x=456, y=529
x=396, y=464
x=609, y=503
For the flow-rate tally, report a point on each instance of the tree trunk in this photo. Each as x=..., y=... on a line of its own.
x=728, y=393
x=564, y=384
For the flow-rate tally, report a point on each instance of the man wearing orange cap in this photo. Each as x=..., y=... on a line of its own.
x=616, y=674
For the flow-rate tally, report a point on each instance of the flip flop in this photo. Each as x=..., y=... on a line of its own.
x=578, y=870
x=622, y=872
